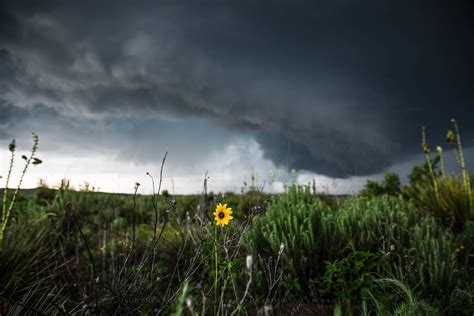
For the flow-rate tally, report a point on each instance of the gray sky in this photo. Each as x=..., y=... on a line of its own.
x=332, y=89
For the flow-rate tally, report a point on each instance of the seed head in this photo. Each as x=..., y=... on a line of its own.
x=249, y=262
x=189, y=305
x=450, y=137
x=425, y=148
x=12, y=146
x=282, y=248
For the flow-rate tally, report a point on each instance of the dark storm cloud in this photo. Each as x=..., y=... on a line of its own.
x=9, y=118
x=332, y=87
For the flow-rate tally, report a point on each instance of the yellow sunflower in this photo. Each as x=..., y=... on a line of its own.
x=222, y=215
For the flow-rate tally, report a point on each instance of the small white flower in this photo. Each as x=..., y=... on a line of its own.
x=189, y=303
x=249, y=262
x=282, y=248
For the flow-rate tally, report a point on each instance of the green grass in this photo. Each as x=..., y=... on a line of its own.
x=93, y=252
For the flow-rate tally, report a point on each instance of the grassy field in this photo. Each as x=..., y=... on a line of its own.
x=91, y=253
x=391, y=250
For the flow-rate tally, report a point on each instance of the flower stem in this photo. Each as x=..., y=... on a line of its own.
x=465, y=173
x=216, y=269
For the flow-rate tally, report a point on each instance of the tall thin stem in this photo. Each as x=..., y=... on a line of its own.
x=5, y=190
x=216, y=269
x=6, y=214
x=465, y=174
x=426, y=151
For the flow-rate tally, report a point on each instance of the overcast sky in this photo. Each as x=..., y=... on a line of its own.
x=337, y=90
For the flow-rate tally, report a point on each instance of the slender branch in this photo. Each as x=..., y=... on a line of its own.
x=133, y=230
x=5, y=190
x=465, y=174
x=6, y=216
x=91, y=258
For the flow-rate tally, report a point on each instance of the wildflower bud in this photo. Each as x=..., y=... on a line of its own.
x=439, y=150
x=24, y=157
x=12, y=146
x=392, y=248
x=268, y=310
x=425, y=148
x=450, y=137
x=249, y=262
x=189, y=305
x=36, y=161
x=282, y=247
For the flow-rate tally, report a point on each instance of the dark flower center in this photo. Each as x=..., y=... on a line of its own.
x=221, y=215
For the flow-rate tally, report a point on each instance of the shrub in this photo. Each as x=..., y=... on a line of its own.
x=420, y=253
x=390, y=186
x=375, y=223
x=27, y=263
x=347, y=278
x=449, y=204
x=448, y=197
x=392, y=297
x=293, y=220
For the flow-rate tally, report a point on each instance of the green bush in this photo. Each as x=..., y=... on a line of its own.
x=448, y=197
x=421, y=253
x=449, y=202
x=375, y=223
x=391, y=186
x=392, y=297
x=428, y=263
x=27, y=265
x=346, y=279
x=294, y=221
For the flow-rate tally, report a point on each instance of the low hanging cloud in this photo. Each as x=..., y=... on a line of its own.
x=337, y=89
